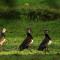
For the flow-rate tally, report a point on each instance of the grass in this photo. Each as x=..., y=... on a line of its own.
x=29, y=1
x=16, y=30
x=16, y=56
x=17, y=35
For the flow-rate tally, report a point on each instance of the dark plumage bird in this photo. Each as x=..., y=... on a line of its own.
x=46, y=41
x=2, y=36
x=28, y=40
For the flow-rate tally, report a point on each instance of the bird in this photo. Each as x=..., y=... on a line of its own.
x=2, y=36
x=27, y=41
x=46, y=42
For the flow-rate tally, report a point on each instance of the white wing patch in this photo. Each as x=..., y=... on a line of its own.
x=31, y=42
x=49, y=43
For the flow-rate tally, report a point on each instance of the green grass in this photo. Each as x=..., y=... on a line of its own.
x=9, y=51
x=29, y=1
x=23, y=56
x=18, y=29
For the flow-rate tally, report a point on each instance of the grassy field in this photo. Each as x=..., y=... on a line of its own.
x=16, y=33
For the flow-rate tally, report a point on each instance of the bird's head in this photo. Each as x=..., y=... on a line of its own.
x=29, y=30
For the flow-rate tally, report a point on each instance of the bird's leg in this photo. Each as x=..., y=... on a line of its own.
x=45, y=50
x=1, y=48
x=30, y=49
